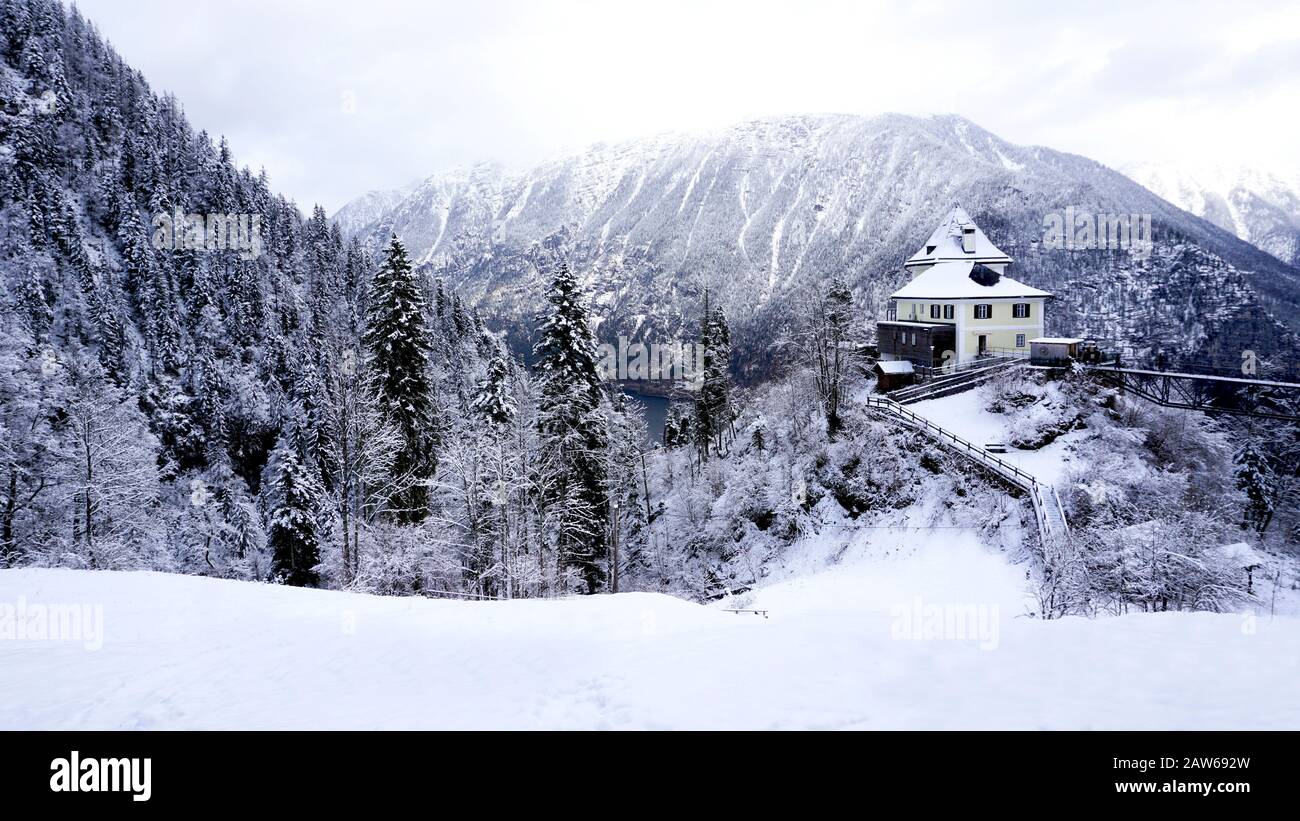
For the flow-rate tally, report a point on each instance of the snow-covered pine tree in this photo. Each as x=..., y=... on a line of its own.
x=573, y=429
x=677, y=427
x=398, y=344
x=713, y=401
x=1255, y=479
x=758, y=439
x=493, y=400
x=292, y=499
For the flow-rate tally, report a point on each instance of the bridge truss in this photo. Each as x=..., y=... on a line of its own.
x=1201, y=392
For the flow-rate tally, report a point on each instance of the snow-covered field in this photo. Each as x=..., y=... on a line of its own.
x=964, y=415
x=849, y=645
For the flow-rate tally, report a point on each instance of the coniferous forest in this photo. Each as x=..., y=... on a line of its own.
x=313, y=414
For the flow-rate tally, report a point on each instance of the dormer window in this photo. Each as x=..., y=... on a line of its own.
x=984, y=275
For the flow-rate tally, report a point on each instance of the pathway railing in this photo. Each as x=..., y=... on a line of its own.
x=1046, y=503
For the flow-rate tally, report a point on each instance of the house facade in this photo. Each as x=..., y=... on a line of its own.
x=960, y=297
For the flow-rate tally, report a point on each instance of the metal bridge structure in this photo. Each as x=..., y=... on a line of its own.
x=1206, y=392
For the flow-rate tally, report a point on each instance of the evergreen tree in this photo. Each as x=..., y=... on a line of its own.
x=398, y=343
x=713, y=401
x=293, y=505
x=759, y=437
x=1255, y=478
x=493, y=400
x=574, y=430
x=677, y=427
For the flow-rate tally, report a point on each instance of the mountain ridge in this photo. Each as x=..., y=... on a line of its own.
x=1258, y=207
x=766, y=210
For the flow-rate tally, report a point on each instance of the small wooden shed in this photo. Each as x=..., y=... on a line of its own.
x=893, y=374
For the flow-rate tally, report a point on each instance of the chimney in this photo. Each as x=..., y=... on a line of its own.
x=968, y=238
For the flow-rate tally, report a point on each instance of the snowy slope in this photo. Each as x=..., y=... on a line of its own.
x=1260, y=208
x=187, y=652
x=965, y=414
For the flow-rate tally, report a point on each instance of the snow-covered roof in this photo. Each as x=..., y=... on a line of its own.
x=895, y=366
x=1056, y=340
x=947, y=243
x=952, y=280
x=1241, y=555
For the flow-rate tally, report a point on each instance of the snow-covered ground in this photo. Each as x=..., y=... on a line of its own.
x=964, y=414
x=852, y=644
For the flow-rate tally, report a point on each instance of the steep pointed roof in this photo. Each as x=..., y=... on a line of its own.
x=954, y=280
x=950, y=240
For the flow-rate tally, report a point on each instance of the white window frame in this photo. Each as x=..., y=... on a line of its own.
x=948, y=311
x=1020, y=340
x=987, y=309
x=1017, y=308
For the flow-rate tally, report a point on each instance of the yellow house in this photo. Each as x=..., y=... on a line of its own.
x=960, y=305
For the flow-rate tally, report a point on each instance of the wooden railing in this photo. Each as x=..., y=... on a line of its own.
x=1007, y=471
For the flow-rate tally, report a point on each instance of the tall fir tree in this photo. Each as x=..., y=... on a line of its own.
x=293, y=505
x=492, y=399
x=574, y=430
x=1255, y=478
x=398, y=343
x=713, y=400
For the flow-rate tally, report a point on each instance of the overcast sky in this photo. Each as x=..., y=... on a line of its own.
x=338, y=97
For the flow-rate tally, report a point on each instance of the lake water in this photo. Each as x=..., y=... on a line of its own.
x=656, y=413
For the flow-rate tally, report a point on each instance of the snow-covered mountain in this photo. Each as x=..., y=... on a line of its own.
x=369, y=207
x=1260, y=208
x=770, y=209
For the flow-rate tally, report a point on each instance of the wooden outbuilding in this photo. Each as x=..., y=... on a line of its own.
x=894, y=374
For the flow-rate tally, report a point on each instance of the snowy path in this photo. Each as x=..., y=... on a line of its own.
x=964, y=415
x=184, y=652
